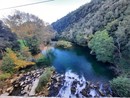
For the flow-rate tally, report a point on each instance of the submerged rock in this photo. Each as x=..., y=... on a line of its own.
x=57, y=79
x=101, y=92
x=84, y=93
x=73, y=90
x=92, y=86
x=55, y=86
x=88, y=83
x=109, y=95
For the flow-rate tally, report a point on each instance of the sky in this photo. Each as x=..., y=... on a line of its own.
x=49, y=11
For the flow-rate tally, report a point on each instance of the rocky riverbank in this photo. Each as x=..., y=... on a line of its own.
x=23, y=83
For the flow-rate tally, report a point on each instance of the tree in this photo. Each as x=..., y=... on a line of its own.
x=81, y=39
x=45, y=34
x=33, y=44
x=103, y=46
x=28, y=25
x=7, y=38
x=7, y=64
x=12, y=63
x=121, y=86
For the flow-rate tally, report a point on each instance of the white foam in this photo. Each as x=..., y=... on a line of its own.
x=93, y=92
x=66, y=89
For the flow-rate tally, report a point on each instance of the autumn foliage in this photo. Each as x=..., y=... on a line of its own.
x=18, y=62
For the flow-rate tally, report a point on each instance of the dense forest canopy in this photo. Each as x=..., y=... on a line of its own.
x=92, y=17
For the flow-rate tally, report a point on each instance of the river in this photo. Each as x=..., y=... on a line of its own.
x=79, y=61
x=78, y=64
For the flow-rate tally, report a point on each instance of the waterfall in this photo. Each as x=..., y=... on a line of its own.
x=93, y=92
x=74, y=85
x=70, y=77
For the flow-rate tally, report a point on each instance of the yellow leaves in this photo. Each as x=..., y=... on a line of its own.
x=18, y=62
x=11, y=54
x=22, y=64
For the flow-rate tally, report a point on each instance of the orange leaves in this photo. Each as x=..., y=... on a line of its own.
x=18, y=62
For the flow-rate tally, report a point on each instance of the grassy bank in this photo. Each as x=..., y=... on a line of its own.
x=44, y=79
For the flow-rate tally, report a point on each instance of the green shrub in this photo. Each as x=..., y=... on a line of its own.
x=44, y=79
x=81, y=39
x=33, y=44
x=43, y=61
x=7, y=65
x=24, y=53
x=121, y=86
x=64, y=44
x=103, y=46
x=4, y=76
x=22, y=43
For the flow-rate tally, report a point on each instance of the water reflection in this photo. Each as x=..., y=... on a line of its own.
x=80, y=62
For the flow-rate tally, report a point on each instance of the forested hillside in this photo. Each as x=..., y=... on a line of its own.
x=104, y=16
x=94, y=16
